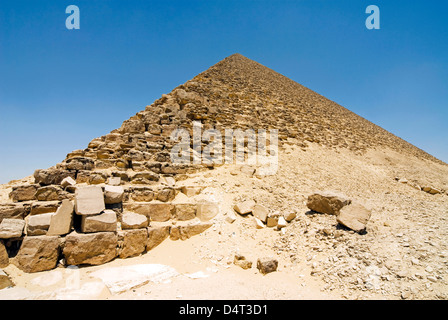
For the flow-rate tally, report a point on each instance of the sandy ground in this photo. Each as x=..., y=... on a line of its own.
x=403, y=254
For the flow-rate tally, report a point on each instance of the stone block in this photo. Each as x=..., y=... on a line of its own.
x=185, y=211
x=156, y=235
x=37, y=254
x=90, y=248
x=105, y=221
x=38, y=225
x=327, y=202
x=132, y=242
x=42, y=207
x=89, y=200
x=24, y=192
x=14, y=211
x=62, y=221
x=11, y=228
x=132, y=220
x=207, y=210
x=113, y=194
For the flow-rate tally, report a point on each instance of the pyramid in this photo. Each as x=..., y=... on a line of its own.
x=120, y=182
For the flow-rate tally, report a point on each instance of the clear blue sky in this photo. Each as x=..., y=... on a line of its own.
x=60, y=88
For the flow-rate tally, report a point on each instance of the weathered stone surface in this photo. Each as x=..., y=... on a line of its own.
x=142, y=194
x=79, y=163
x=52, y=176
x=67, y=182
x=37, y=254
x=191, y=191
x=272, y=219
x=14, y=211
x=258, y=223
x=132, y=220
x=24, y=192
x=260, y=212
x=4, y=258
x=50, y=193
x=166, y=194
x=207, y=210
x=230, y=217
x=185, y=211
x=281, y=223
x=97, y=178
x=290, y=216
x=62, y=221
x=241, y=261
x=114, y=181
x=431, y=190
x=105, y=221
x=168, y=181
x=156, y=235
x=42, y=207
x=89, y=200
x=184, y=232
x=5, y=282
x=38, y=225
x=354, y=216
x=267, y=265
x=144, y=177
x=327, y=202
x=113, y=194
x=90, y=248
x=11, y=228
x=132, y=126
x=245, y=207
x=155, y=211
x=132, y=242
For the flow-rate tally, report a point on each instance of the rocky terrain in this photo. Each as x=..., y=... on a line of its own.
x=194, y=231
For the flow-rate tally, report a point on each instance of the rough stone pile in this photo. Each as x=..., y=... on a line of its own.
x=93, y=224
x=262, y=216
x=348, y=213
x=115, y=198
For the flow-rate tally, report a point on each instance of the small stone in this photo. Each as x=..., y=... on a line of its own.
x=241, y=261
x=245, y=207
x=230, y=217
x=290, y=216
x=258, y=223
x=272, y=219
x=190, y=191
x=281, y=222
x=267, y=265
x=260, y=212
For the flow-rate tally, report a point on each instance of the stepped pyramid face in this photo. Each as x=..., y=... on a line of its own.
x=128, y=177
x=236, y=93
